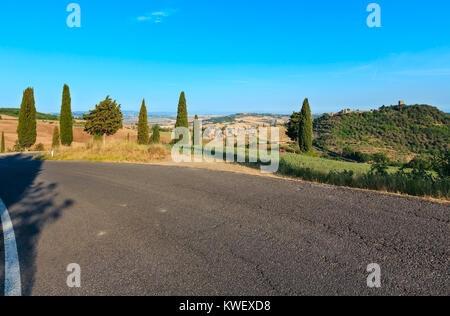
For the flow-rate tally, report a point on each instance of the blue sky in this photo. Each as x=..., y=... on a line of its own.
x=227, y=55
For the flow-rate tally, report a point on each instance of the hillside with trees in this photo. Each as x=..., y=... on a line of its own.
x=401, y=132
x=247, y=119
x=14, y=112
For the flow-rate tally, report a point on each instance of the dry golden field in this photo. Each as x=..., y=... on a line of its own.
x=8, y=125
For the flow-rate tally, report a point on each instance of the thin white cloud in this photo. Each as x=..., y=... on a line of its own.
x=424, y=72
x=144, y=18
x=157, y=16
x=160, y=13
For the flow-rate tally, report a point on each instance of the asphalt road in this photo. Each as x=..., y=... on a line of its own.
x=156, y=230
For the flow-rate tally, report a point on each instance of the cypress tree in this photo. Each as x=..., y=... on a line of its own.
x=66, y=122
x=105, y=120
x=196, y=138
x=2, y=147
x=56, y=139
x=305, y=129
x=143, y=129
x=182, y=117
x=156, y=137
x=26, y=130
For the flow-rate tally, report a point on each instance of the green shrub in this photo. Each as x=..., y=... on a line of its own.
x=358, y=156
x=39, y=147
x=420, y=163
x=156, y=136
x=17, y=147
x=362, y=157
x=380, y=158
x=441, y=164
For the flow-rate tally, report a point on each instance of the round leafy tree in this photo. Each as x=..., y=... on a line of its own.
x=105, y=120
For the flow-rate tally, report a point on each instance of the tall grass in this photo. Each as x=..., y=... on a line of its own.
x=358, y=175
x=325, y=165
x=118, y=151
x=396, y=182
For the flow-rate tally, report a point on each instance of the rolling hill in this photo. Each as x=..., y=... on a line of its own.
x=40, y=116
x=401, y=132
x=252, y=119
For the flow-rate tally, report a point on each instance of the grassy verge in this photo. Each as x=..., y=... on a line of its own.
x=324, y=165
x=361, y=176
x=112, y=152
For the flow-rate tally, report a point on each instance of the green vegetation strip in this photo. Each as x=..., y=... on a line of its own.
x=363, y=176
x=39, y=116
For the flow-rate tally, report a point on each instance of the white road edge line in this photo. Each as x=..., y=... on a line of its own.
x=13, y=285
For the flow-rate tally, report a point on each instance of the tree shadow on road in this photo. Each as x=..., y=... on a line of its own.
x=32, y=205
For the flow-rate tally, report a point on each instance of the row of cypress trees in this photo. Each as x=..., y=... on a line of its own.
x=26, y=129
x=143, y=127
x=64, y=135
x=27, y=134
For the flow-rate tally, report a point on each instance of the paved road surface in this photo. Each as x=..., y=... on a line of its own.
x=155, y=230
